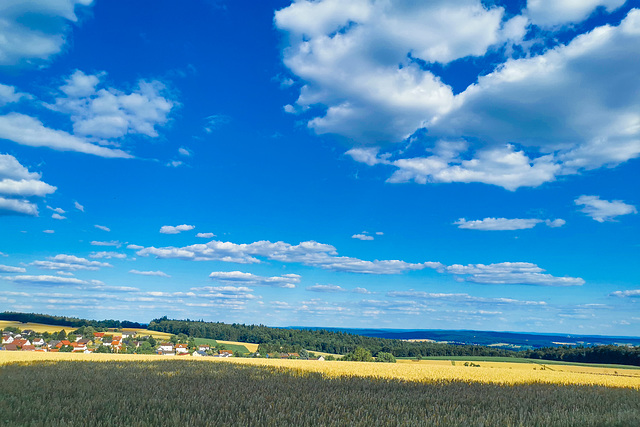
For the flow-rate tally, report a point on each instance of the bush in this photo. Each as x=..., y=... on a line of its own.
x=385, y=357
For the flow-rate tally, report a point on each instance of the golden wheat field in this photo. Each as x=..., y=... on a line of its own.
x=426, y=370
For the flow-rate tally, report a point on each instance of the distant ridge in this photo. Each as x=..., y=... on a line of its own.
x=524, y=340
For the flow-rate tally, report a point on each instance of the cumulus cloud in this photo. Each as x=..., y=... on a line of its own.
x=523, y=273
x=17, y=183
x=58, y=216
x=490, y=132
x=169, y=229
x=8, y=95
x=32, y=32
x=110, y=113
x=604, y=210
x=362, y=237
x=27, y=130
x=284, y=281
x=10, y=269
x=69, y=263
x=308, y=253
x=206, y=235
x=150, y=273
x=500, y=224
x=549, y=13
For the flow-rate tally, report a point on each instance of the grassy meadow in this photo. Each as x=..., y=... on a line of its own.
x=153, y=390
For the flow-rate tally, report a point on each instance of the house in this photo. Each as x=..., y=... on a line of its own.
x=77, y=347
x=204, y=347
x=21, y=342
x=53, y=344
x=166, y=347
x=116, y=345
x=85, y=342
x=182, y=348
x=98, y=334
x=321, y=359
x=11, y=347
x=199, y=353
x=63, y=343
x=129, y=334
x=7, y=339
x=225, y=353
x=28, y=347
x=38, y=342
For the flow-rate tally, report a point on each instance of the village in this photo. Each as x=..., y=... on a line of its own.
x=87, y=340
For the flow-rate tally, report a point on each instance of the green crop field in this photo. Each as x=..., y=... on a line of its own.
x=522, y=360
x=233, y=347
x=180, y=392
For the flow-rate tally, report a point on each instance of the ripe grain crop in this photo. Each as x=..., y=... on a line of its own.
x=425, y=371
x=175, y=391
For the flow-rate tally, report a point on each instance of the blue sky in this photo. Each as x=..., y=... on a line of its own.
x=390, y=164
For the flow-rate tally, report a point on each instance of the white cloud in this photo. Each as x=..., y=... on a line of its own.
x=102, y=227
x=490, y=132
x=326, y=288
x=107, y=255
x=174, y=163
x=47, y=280
x=56, y=210
x=78, y=206
x=48, y=231
x=461, y=297
x=58, y=216
x=169, y=229
x=362, y=237
x=33, y=31
x=184, y=152
x=27, y=130
x=523, y=273
x=10, y=269
x=110, y=113
x=215, y=121
x=206, y=235
x=150, y=273
x=20, y=207
x=308, y=253
x=8, y=95
x=284, y=281
x=548, y=13
x=500, y=224
x=358, y=60
x=603, y=210
x=633, y=293
x=113, y=243
x=17, y=181
x=69, y=263
x=135, y=247
x=361, y=291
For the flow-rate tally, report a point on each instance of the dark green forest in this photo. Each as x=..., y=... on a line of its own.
x=274, y=340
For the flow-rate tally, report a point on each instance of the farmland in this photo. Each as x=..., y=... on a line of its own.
x=157, y=391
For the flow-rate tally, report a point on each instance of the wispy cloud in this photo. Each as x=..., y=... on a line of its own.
x=102, y=227
x=69, y=263
x=631, y=293
x=284, y=281
x=604, y=210
x=10, y=269
x=500, y=224
x=150, y=273
x=326, y=288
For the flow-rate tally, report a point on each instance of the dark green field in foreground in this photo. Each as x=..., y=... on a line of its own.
x=176, y=392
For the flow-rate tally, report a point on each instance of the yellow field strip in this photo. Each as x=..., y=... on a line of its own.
x=494, y=372
x=37, y=327
x=251, y=347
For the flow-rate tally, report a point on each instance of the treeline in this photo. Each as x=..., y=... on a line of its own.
x=67, y=321
x=293, y=340
x=610, y=354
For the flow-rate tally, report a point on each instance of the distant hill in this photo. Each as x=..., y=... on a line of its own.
x=515, y=340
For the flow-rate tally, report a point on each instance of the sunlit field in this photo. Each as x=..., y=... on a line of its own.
x=423, y=371
x=155, y=390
